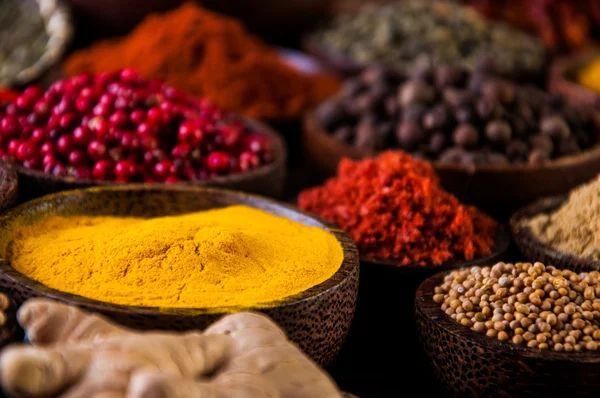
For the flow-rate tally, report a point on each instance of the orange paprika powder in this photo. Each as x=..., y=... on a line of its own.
x=209, y=55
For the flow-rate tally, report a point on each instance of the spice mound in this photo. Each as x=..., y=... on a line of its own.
x=235, y=256
x=528, y=304
x=118, y=126
x=210, y=55
x=394, y=207
x=412, y=33
x=455, y=116
x=574, y=227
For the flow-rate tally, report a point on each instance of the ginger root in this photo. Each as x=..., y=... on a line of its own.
x=80, y=355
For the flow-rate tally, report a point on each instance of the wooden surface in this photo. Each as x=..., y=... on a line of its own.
x=471, y=364
x=533, y=249
x=266, y=180
x=495, y=189
x=317, y=319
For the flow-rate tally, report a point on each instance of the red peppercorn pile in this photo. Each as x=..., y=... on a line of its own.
x=118, y=126
x=393, y=207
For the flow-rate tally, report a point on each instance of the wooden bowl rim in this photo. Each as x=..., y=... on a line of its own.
x=442, y=320
x=314, y=129
x=501, y=243
x=279, y=161
x=349, y=263
x=522, y=232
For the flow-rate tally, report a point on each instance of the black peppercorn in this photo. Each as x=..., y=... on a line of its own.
x=367, y=136
x=415, y=91
x=555, y=127
x=330, y=113
x=465, y=136
x=436, y=118
x=498, y=132
x=437, y=142
x=409, y=135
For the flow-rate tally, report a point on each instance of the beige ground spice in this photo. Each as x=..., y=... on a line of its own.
x=575, y=227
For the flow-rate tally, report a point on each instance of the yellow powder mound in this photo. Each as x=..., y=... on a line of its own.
x=225, y=257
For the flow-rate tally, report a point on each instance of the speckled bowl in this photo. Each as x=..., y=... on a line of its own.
x=266, y=180
x=472, y=364
x=317, y=319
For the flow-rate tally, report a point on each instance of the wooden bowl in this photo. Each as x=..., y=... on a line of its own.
x=492, y=188
x=471, y=364
x=8, y=186
x=317, y=319
x=533, y=249
x=383, y=326
x=562, y=79
x=267, y=180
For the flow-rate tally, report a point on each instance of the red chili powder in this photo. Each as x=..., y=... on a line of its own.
x=394, y=207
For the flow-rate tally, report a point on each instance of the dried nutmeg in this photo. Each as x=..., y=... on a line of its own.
x=465, y=136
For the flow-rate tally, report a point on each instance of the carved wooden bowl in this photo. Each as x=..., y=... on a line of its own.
x=470, y=364
x=533, y=249
x=317, y=319
x=488, y=187
x=267, y=180
x=8, y=186
x=384, y=328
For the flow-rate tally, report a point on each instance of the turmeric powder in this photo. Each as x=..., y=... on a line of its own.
x=235, y=256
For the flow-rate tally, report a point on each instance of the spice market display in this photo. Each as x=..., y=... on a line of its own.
x=151, y=286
